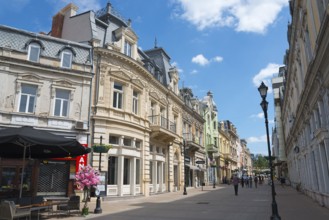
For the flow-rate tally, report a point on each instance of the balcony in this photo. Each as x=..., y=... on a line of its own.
x=162, y=129
x=192, y=142
x=230, y=157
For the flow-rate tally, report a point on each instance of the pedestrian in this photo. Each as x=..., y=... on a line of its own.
x=236, y=184
x=256, y=181
x=282, y=180
x=250, y=181
x=242, y=182
x=247, y=181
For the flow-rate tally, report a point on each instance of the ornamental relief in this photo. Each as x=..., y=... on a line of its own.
x=138, y=82
x=154, y=95
x=121, y=75
x=31, y=78
x=120, y=64
x=63, y=83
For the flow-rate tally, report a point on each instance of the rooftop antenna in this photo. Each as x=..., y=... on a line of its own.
x=155, y=43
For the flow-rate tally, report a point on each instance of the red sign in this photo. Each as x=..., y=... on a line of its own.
x=81, y=161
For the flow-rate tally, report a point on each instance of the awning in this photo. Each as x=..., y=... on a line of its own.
x=192, y=167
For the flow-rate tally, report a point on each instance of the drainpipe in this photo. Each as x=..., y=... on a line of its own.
x=90, y=94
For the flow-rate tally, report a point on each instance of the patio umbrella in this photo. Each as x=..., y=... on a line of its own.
x=27, y=142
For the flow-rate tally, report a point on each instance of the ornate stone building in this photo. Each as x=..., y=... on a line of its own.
x=45, y=83
x=136, y=107
x=305, y=102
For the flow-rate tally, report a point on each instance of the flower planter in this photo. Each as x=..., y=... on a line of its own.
x=85, y=211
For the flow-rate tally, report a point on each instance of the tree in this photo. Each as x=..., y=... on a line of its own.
x=260, y=163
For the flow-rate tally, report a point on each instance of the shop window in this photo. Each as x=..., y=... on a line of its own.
x=126, y=171
x=112, y=170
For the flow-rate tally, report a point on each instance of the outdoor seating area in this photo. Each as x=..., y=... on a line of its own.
x=38, y=207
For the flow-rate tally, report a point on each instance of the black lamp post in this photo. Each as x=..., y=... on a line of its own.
x=98, y=208
x=263, y=92
x=184, y=147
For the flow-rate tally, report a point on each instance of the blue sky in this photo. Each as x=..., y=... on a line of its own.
x=224, y=46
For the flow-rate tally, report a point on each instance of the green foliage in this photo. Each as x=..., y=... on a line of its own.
x=101, y=148
x=260, y=162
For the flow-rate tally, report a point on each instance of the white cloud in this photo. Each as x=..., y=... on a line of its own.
x=83, y=5
x=265, y=75
x=259, y=115
x=200, y=59
x=194, y=72
x=257, y=139
x=242, y=15
x=175, y=64
x=203, y=61
x=217, y=59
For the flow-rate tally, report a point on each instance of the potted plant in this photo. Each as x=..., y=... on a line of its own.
x=85, y=179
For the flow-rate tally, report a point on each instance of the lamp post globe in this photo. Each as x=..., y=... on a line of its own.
x=264, y=104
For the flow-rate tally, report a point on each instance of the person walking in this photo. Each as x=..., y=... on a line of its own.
x=256, y=181
x=250, y=181
x=236, y=184
x=242, y=182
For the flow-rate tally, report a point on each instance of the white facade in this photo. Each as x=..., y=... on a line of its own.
x=305, y=105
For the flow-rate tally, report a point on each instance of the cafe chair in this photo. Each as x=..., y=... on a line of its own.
x=9, y=211
x=72, y=205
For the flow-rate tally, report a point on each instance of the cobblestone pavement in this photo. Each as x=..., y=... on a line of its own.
x=218, y=203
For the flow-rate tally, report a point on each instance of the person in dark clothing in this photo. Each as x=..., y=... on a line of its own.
x=256, y=181
x=236, y=184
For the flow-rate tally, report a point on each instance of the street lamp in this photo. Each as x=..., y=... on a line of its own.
x=98, y=208
x=184, y=147
x=264, y=104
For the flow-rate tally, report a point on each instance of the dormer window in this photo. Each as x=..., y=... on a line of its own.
x=34, y=52
x=127, y=49
x=66, y=59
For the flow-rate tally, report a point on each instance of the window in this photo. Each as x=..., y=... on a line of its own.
x=151, y=172
x=28, y=98
x=34, y=52
x=114, y=140
x=138, y=144
x=135, y=102
x=126, y=171
x=112, y=169
x=117, y=96
x=127, y=142
x=66, y=60
x=158, y=172
x=127, y=49
x=138, y=175
x=62, y=103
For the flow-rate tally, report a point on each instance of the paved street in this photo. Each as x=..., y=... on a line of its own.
x=219, y=203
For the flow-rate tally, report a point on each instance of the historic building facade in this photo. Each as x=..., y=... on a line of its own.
x=45, y=83
x=136, y=107
x=210, y=114
x=230, y=149
x=305, y=103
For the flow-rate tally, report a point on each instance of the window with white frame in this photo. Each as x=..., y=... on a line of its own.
x=114, y=139
x=138, y=144
x=126, y=171
x=127, y=49
x=112, y=171
x=28, y=98
x=66, y=59
x=135, y=102
x=62, y=103
x=138, y=173
x=117, y=95
x=34, y=52
x=127, y=142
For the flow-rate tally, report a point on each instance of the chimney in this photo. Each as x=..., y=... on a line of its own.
x=58, y=20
